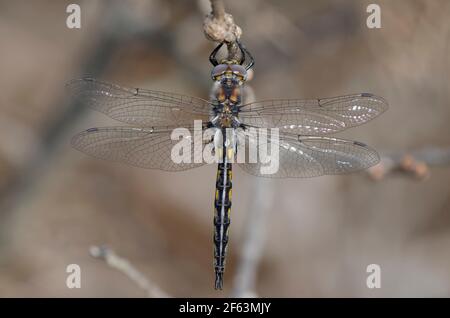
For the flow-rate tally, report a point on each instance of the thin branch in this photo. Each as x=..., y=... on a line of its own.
x=124, y=266
x=414, y=164
x=218, y=9
x=255, y=233
x=219, y=26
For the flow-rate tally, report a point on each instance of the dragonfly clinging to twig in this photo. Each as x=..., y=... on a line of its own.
x=304, y=146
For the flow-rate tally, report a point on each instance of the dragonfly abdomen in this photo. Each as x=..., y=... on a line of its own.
x=222, y=206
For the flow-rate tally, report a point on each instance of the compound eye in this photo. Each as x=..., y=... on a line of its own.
x=239, y=70
x=218, y=70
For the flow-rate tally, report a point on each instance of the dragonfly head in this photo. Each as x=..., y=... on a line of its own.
x=229, y=71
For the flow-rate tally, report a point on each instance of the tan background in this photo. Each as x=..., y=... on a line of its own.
x=321, y=233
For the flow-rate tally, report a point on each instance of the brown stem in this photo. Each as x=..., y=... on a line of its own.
x=415, y=164
x=219, y=27
x=124, y=266
x=218, y=9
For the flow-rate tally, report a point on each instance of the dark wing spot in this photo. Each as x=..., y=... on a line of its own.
x=366, y=95
x=92, y=129
x=359, y=144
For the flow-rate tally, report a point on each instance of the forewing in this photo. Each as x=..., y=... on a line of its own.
x=137, y=106
x=313, y=116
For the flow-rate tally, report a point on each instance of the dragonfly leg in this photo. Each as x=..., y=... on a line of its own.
x=245, y=53
x=212, y=56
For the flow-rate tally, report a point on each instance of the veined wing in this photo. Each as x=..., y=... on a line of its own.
x=141, y=147
x=137, y=106
x=309, y=156
x=313, y=116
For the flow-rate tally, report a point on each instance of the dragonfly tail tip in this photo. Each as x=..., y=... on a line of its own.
x=219, y=281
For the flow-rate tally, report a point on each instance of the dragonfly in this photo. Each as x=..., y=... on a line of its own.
x=306, y=148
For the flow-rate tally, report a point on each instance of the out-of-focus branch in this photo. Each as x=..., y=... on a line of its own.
x=414, y=164
x=219, y=26
x=124, y=266
x=218, y=9
x=244, y=284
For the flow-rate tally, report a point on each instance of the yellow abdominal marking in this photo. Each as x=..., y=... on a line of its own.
x=230, y=153
x=220, y=152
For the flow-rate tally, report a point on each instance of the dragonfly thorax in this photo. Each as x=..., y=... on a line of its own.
x=228, y=92
x=226, y=100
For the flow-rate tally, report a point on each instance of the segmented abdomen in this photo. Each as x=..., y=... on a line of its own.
x=222, y=206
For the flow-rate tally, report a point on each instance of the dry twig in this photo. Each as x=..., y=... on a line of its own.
x=219, y=27
x=415, y=164
x=254, y=240
x=124, y=266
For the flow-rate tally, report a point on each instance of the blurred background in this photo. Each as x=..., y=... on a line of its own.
x=307, y=237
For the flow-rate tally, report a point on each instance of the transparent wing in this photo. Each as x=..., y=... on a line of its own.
x=137, y=106
x=313, y=116
x=141, y=147
x=301, y=157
